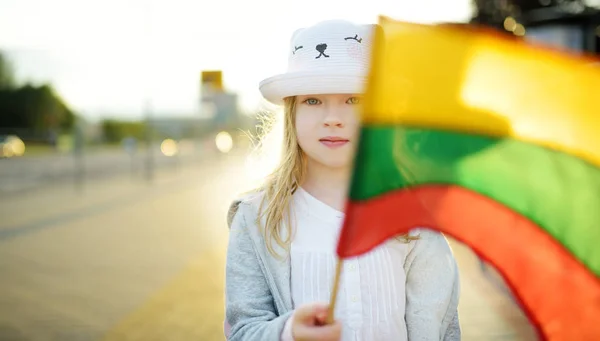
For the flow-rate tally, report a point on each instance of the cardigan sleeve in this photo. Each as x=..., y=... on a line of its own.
x=432, y=289
x=250, y=312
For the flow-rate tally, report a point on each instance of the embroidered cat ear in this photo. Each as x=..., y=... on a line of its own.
x=354, y=38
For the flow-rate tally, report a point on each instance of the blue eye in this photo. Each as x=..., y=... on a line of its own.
x=353, y=100
x=312, y=101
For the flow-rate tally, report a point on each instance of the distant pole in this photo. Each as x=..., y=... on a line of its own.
x=149, y=143
x=149, y=131
x=78, y=145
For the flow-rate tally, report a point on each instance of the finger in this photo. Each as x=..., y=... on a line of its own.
x=330, y=332
x=321, y=318
x=309, y=314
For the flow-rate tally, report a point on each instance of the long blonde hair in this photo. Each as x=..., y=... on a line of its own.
x=281, y=183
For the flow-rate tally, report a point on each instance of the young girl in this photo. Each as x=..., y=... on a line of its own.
x=281, y=254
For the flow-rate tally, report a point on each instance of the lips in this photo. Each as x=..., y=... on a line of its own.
x=334, y=141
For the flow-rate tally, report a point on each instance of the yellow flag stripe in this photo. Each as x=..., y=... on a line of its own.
x=464, y=79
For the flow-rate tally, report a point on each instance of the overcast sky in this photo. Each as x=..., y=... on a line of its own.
x=108, y=56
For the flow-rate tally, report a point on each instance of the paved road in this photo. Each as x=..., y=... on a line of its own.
x=32, y=172
x=128, y=261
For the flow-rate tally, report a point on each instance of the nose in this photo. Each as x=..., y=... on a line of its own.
x=332, y=117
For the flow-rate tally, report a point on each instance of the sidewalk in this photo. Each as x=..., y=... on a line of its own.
x=486, y=312
x=75, y=266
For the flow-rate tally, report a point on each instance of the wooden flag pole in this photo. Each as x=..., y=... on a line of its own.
x=334, y=291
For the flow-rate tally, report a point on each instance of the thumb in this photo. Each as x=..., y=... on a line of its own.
x=309, y=313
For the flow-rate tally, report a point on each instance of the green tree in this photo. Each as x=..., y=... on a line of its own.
x=35, y=108
x=115, y=131
x=7, y=76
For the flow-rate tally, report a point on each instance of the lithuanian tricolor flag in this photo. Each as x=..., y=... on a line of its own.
x=496, y=143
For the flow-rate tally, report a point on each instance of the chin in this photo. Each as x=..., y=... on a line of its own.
x=336, y=163
x=331, y=159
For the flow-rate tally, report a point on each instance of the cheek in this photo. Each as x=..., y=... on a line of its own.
x=353, y=122
x=356, y=51
x=304, y=129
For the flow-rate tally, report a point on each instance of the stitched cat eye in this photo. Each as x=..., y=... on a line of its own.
x=354, y=38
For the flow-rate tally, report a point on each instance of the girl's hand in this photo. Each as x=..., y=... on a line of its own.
x=309, y=324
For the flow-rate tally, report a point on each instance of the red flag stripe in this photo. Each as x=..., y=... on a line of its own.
x=558, y=293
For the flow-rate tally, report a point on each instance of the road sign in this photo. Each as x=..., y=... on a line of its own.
x=211, y=83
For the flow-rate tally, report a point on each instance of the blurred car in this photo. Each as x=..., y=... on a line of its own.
x=11, y=146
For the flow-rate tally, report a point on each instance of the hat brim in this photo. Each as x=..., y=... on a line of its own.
x=276, y=88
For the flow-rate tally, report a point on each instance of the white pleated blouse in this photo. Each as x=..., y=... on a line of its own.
x=371, y=301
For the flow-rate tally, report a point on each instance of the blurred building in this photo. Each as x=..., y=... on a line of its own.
x=181, y=127
x=216, y=103
x=570, y=24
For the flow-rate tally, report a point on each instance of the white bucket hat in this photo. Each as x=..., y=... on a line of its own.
x=331, y=57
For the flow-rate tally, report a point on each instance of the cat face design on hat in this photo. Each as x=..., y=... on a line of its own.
x=330, y=57
x=329, y=39
x=322, y=47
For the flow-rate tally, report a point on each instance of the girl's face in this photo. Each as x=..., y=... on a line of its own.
x=327, y=128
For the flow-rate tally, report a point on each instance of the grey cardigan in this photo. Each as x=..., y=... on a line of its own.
x=258, y=291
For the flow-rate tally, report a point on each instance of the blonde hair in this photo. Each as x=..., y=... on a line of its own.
x=280, y=184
